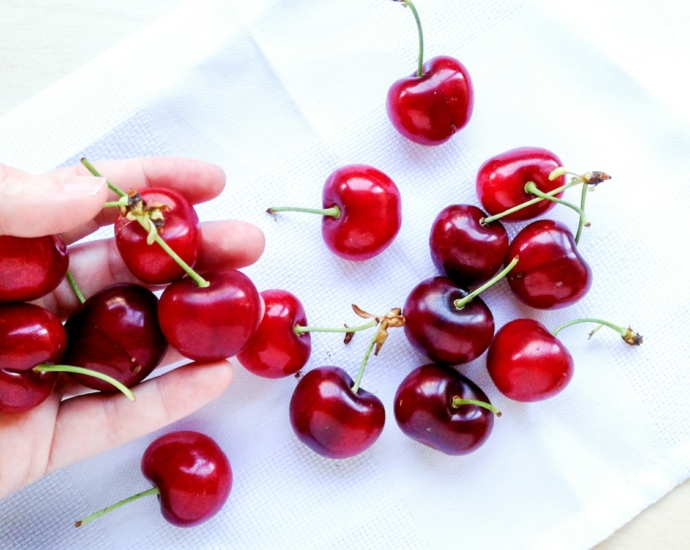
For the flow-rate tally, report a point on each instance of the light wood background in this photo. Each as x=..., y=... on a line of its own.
x=43, y=41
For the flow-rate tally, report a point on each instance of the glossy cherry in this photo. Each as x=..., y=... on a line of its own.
x=330, y=418
x=276, y=349
x=29, y=336
x=177, y=224
x=441, y=331
x=31, y=267
x=116, y=332
x=431, y=406
x=213, y=322
x=501, y=182
x=551, y=273
x=362, y=212
x=464, y=249
x=436, y=101
x=191, y=475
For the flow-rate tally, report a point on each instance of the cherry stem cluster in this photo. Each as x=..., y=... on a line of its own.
x=146, y=224
x=96, y=515
x=459, y=402
x=462, y=302
x=88, y=372
x=628, y=334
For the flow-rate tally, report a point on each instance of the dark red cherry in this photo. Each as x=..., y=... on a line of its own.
x=213, y=322
x=430, y=108
x=332, y=420
x=551, y=273
x=501, y=182
x=192, y=473
x=428, y=411
x=116, y=332
x=29, y=336
x=179, y=229
x=444, y=333
x=527, y=363
x=276, y=350
x=31, y=267
x=463, y=249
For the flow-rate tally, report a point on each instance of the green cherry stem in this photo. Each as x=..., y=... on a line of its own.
x=96, y=515
x=581, y=224
x=628, y=334
x=362, y=367
x=300, y=329
x=333, y=211
x=461, y=302
x=114, y=188
x=531, y=187
x=80, y=370
x=73, y=284
x=459, y=402
x=420, y=59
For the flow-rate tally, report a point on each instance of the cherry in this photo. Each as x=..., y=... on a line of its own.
x=174, y=219
x=331, y=418
x=211, y=322
x=528, y=363
x=551, y=272
x=31, y=267
x=441, y=408
x=362, y=212
x=436, y=101
x=191, y=475
x=501, y=182
x=116, y=332
x=463, y=248
x=29, y=336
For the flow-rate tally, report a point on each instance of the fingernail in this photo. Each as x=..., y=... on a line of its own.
x=82, y=185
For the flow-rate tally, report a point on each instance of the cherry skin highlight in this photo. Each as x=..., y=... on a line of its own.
x=29, y=336
x=551, y=273
x=430, y=108
x=193, y=475
x=116, y=332
x=444, y=333
x=275, y=350
x=31, y=267
x=180, y=230
x=330, y=419
x=463, y=249
x=424, y=410
x=527, y=363
x=501, y=182
x=214, y=322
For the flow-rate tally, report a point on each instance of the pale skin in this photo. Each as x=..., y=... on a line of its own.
x=71, y=425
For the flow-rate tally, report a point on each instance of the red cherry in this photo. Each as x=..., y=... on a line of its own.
x=464, y=249
x=431, y=407
x=29, y=336
x=527, y=363
x=31, y=267
x=551, y=273
x=213, y=322
x=501, y=182
x=276, y=350
x=330, y=418
x=180, y=230
x=116, y=332
x=444, y=333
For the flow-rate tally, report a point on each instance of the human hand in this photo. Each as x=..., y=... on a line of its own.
x=67, y=428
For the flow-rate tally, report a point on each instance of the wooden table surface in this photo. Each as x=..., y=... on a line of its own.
x=43, y=41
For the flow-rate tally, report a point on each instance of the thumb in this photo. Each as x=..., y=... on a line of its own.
x=32, y=206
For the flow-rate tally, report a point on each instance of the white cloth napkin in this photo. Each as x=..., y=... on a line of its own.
x=280, y=93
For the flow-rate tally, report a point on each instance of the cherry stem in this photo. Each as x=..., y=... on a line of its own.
x=73, y=283
x=96, y=515
x=459, y=402
x=628, y=334
x=462, y=302
x=299, y=329
x=531, y=187
x=581, y=224
x=333, y=211
x=80, y=370
x=363, y=366
x=145, y=223
x=420, y=60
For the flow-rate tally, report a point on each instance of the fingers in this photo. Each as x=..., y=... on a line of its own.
x=32, y=206
x=95, y=423
x=97, y=264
